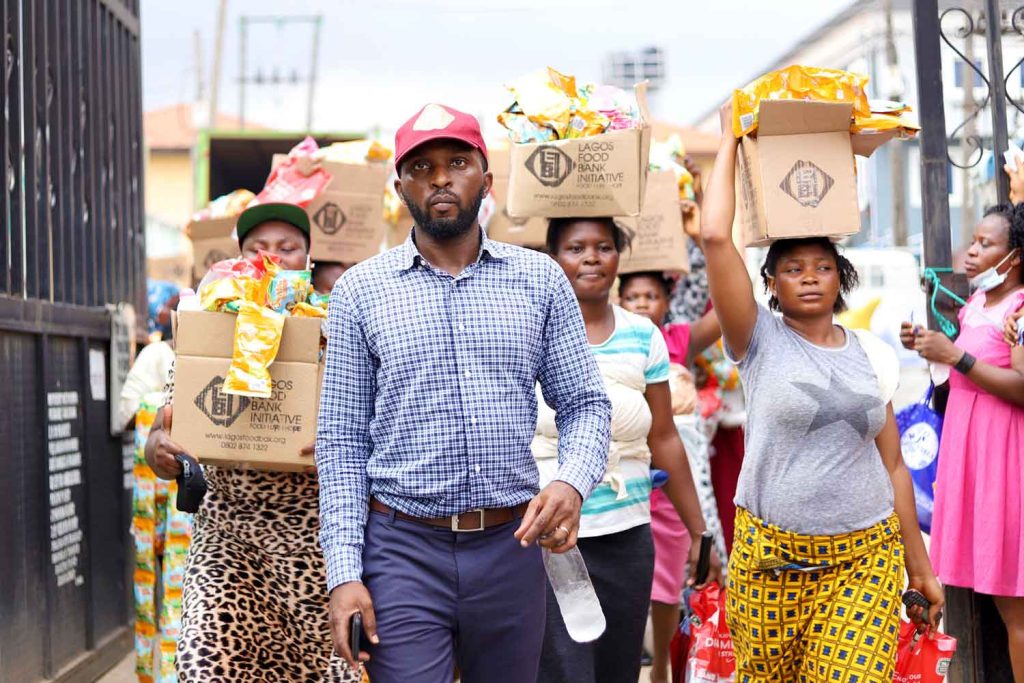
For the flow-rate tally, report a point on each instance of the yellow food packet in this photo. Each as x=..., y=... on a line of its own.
x=798, y=83
x=685, y=182
x=215, y=295
x=878, y=122
x=547, y=97
x=306, y=310
x=355, y=152
x=257, y=339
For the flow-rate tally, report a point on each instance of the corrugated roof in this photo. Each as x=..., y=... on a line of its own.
x=171, y=128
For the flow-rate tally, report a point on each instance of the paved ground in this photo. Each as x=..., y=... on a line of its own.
x=124, y=672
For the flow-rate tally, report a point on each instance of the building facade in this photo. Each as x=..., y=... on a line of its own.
x=857, y=39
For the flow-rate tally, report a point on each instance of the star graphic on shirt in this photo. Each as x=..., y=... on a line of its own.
x=839, y=403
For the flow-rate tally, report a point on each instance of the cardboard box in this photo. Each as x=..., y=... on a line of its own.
x=398, y=232
x=659, y=242
x=527, y=232
x=212, y=241
x=797, y=177
x=176, y=269
x=224, y=429
x=603, y=175
x=347, y=218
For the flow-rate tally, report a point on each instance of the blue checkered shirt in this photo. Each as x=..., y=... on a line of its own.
x=428, y=399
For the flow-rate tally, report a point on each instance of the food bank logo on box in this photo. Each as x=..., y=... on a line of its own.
x=221, y=407
x=807, y=184
x=550, y=165
x=330, y=218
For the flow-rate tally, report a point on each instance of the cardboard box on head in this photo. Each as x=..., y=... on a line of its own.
x=346, y=219
x=603, y=175
x=658, y=240
x=797, y=177
x=224, y=429
x=526, y=232
x=212, y=241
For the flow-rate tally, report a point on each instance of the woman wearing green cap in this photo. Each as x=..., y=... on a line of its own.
x=254, y=607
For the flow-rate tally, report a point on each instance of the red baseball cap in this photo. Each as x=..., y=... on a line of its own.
x=437, y=122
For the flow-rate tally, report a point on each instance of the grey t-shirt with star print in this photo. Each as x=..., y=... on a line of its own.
x=811, y=465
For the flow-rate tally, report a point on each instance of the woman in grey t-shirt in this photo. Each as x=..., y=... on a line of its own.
x=825, y=521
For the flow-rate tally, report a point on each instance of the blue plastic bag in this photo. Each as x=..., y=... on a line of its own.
x=920, y=430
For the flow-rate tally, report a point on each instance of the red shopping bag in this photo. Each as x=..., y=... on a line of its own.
x=711, y=658
x=297, y=180
x=922, y=656
x=679, y=652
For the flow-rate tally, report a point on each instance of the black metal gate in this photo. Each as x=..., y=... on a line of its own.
x=971, y=617
x=71, y=243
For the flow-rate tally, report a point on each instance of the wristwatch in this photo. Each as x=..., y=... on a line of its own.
x=964, y=365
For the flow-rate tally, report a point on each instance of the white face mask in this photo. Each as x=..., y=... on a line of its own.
x=991, y=278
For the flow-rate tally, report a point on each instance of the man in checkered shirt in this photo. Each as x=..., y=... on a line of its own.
x=429, y=496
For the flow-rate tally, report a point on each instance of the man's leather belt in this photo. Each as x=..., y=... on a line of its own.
x=473, y=520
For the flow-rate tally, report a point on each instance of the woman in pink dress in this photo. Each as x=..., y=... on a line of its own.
x=978, y=523
x=648, y=294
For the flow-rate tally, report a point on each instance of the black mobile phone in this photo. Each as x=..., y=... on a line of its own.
x=704, y=558
x=913, y=598
x=191, y=484
x=355, y=634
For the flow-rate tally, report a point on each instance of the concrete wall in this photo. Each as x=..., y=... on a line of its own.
x=169, y=186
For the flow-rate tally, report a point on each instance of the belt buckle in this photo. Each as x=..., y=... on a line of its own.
x=455, y=522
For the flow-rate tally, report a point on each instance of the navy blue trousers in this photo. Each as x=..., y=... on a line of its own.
x=441, y=598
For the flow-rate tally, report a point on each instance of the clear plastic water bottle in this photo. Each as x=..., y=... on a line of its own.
x=577, y=601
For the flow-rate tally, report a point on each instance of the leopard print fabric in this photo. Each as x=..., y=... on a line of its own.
x=254, y=605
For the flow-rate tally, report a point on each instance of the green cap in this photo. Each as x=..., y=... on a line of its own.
x=255, y=216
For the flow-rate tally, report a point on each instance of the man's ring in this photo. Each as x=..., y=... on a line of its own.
x=567, y=532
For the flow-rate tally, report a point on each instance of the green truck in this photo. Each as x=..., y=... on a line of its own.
x=227, y=160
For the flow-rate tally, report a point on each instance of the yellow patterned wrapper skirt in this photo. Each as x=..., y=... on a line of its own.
x=804, y=608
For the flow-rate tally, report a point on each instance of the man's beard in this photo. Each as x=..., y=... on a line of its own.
x=446, y=228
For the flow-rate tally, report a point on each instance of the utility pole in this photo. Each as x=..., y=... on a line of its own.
x=313, y=65
x=242, y=28
x=197, y=112
x=197, y=56
x=218, y=45
x=274, y=78
x=897, y=152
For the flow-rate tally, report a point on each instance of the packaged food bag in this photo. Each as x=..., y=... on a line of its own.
x=798, y=82
x=298, y=180
x=550, y=106
x=711, y=658
x=230, y=204
x=922, y=656
x=258, y=333
x=355, y=152
x=288, y=288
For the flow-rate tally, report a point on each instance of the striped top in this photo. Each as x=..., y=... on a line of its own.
x=633, y=356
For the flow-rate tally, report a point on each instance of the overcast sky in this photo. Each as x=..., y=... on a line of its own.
x=380, y=60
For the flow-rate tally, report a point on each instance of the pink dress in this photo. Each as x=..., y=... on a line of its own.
x=978, y=520
x=671, y=540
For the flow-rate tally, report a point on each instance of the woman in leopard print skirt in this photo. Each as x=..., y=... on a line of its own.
x=255, y=599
